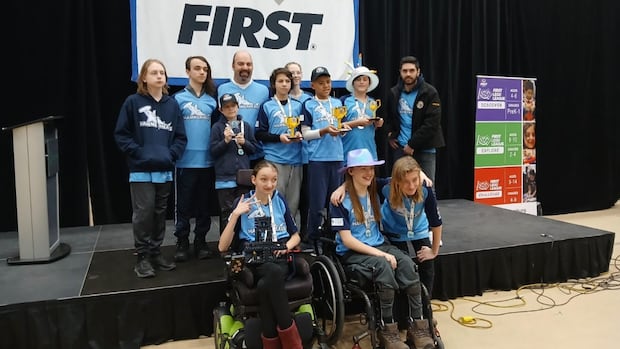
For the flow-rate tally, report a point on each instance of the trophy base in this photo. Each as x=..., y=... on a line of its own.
x=294, y=138
x=374, y=119
x=344, y=130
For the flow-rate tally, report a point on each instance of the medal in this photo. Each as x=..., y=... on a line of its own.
x=410, y=234
x=240, y=151
x=367, y=233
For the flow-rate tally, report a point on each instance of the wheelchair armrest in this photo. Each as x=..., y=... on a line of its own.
x=237, y=270
x=302, y=268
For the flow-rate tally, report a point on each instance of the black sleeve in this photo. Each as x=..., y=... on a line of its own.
x=431, y=209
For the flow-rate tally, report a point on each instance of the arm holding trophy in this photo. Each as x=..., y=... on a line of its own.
x=293, y=135
x=339, y=113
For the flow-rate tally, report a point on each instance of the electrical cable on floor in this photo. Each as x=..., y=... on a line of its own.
x=470, y=321
x=610, y=281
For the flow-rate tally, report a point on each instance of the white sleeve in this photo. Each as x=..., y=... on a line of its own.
x=310, y=134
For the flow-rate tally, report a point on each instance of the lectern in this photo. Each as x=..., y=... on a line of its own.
x=35, y=149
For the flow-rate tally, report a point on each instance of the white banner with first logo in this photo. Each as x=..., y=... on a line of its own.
x=275, y=32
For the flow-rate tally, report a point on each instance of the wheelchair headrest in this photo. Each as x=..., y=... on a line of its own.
x=244, y=177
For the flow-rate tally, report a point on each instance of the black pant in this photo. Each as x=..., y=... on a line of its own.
x=303, y=202
x=149, y=202
x=195, y=197
x=273, y=301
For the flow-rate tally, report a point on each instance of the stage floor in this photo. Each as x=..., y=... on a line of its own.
x=101, y=259
x=483, y=248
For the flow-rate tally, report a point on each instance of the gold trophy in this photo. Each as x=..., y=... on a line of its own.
x=373, y=106
x=292, y=122
x=339, y=113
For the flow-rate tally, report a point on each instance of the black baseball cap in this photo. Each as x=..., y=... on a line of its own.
x=228, y=98
x=318, y=72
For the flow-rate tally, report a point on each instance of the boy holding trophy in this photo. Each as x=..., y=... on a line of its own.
x=278, y=119
x=322, y=129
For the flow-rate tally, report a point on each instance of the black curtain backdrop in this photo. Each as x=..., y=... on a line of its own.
x=73, y=57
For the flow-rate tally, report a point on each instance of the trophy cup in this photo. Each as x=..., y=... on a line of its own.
x=235, y=127
x=292, y=122
x=339, y=113
x=373, y=106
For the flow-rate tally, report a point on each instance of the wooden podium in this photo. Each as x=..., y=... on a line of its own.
x=35, y=149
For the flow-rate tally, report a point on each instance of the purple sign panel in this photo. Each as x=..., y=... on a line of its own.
x=498, y=99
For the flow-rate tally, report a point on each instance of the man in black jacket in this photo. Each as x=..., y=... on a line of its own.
x=414, y=118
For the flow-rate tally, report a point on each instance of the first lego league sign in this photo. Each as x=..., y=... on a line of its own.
x=313, y=33
x=502, y=161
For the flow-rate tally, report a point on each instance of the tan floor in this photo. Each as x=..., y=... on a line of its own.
x=566, y=316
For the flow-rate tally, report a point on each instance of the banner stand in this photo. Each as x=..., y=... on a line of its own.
x=505, y=146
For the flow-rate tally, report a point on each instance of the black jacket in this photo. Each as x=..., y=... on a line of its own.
x=226, y=159
x=426, y=132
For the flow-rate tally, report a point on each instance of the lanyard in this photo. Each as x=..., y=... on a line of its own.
x=410, y=217
x=331, y=116
x=274, y=234
x=260, y=213
x=290, y=108
x=362, y=110
x=367, y=215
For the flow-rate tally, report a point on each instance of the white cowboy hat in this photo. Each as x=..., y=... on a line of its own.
x=360, y=157
x=359, y=71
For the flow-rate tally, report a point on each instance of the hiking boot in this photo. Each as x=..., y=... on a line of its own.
x=161, y=263
x=182, y=253
x=201, y=249
x=419, y=334
x=143, y=268
x=389, y=337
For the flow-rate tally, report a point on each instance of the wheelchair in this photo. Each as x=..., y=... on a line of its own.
x=236, y=320
x=340, y=288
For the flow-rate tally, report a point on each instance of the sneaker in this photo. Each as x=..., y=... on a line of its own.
x=419, y=334
x=202, y=250
x=389, y=337
x=161, y=263
x=182, y=253
x=143, y=268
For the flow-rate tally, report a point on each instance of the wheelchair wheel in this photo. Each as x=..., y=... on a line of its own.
x=327, y=298
x=227, y=332
x=221, y=319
